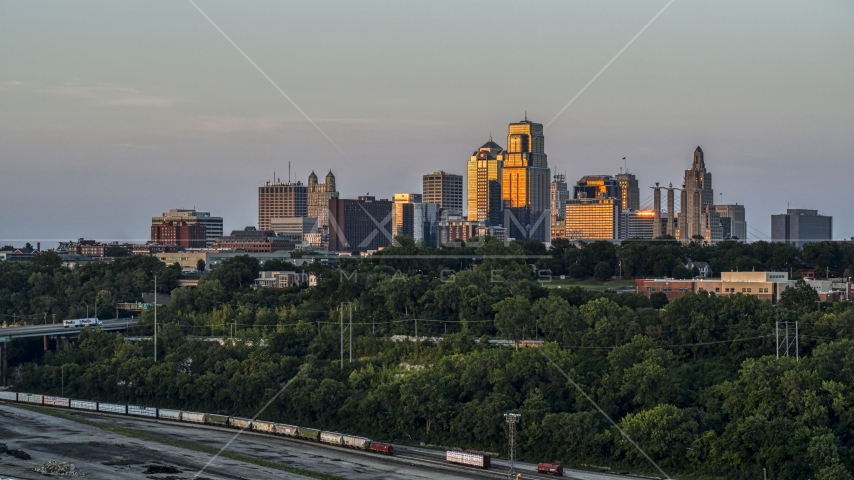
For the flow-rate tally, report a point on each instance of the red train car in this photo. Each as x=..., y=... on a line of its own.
x=381, y=448
x=552, y=468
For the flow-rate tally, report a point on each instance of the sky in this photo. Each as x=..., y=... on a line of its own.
x=114, y=112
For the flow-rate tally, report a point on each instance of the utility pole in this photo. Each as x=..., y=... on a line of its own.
x=155, y=319
x=512, y=419
x=788, y=342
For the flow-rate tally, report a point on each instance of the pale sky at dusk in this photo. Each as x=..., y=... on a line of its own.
x=113, y=112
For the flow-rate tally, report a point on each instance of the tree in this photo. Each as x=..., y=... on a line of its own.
x=681, y=273
x=200, y=265
x=513, y=317
x=801, y=296
x=603, y=271
x=659, y=300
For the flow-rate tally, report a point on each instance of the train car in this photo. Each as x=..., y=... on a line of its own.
x=220, y=420
x=112, y=408
x=383, y=448
x=10, y=396
x=286, y=430
x=471, y=459
x=84, y=405
x=552, y=468
x=261, y=426
x=308, y=433
x=139, y=411
x=167, y=414
x=57, y=401
x=238, y=422
x=30, y=398
x=193, y=417
x=332, y=438
x=360, y=443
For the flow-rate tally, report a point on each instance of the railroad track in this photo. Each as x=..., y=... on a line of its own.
x=415, y=456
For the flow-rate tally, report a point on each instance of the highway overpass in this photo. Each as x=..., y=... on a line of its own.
x=56, y=330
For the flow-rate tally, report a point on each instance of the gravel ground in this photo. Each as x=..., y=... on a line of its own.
x=108, y=455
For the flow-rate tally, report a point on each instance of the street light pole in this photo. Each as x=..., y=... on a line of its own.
x=512, y=419
x=87, y=308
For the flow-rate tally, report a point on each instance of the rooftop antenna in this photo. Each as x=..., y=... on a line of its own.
x=625, y=165
x=289, y=172
x=526, y=115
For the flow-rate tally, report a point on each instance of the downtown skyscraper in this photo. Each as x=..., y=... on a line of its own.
x=484, y=183
x=525, y=182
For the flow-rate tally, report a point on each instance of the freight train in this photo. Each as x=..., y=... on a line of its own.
x=459, y=457
x=330, y=438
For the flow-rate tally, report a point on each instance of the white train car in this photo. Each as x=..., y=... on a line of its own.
x=193, y=417
x=139, y=411
x=286, y=430
x=468, y=458
x=10, y=396
x=361, y=443
x=31, y=398
x=332, y=438
x=57, y=401
x=84, y=405
x=167, y=414
x=112, y=408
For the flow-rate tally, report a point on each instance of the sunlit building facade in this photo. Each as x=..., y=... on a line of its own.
x=592, y=219
x=597, y=186
x=484, y=183
x=525, y=182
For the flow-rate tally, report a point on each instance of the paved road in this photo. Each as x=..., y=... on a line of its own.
x=57, y=329
x=68, y=441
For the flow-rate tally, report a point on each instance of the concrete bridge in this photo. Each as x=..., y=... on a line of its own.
x=55, y=330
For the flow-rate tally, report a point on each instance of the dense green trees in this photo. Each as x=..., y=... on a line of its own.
x=694, y=382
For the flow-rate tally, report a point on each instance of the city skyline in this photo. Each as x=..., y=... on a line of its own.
x=149, y=134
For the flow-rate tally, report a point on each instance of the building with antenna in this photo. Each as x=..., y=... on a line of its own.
x=525, y=182
x=279, y=199
x=733, y=223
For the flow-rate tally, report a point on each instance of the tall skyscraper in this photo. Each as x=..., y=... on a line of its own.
x=733, y=223
x=525, y=182
x=446, y=190
x=629, y=191
x=318, y=195
x=799, y=226
x=698, y=214
x=213, y=225
x=484, y=183
x=281, y=199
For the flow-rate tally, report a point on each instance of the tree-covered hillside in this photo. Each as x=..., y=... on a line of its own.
x=696, y=384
